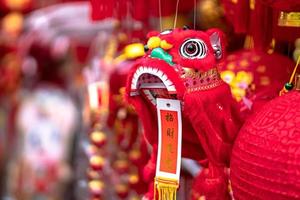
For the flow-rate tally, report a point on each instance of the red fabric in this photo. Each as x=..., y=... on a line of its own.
x=209, y=181
x=237, y=14
x=81, y=53
x=265, y=158
x=102, y=9
x=215, y=118
x=140, y=10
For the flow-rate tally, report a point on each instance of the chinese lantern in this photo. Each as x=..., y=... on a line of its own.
x=266, y=158
x=133, y=178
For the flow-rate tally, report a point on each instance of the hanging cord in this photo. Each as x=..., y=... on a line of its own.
x=295, y=70
x=289, y=86
x=176, y=14
x=195, y=13
x=160, y=17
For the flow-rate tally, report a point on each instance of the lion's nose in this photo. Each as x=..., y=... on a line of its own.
x=162, y=54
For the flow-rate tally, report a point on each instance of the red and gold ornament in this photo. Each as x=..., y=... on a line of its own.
x=98, y=138
x=255, y=76
x=97, y=162
x=96, y=188
x=133, y=178
x=122, y=190
x=93, y=174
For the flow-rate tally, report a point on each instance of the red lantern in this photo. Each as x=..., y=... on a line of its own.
x=255, y=77
x=93, y=174
x=121, y=166
x=266, y=155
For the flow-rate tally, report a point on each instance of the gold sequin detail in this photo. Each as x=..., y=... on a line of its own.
x=191, y=73
x=205, y=87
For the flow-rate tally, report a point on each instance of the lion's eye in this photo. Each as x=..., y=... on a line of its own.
x=193, y=48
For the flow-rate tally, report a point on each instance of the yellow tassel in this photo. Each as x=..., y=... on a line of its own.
x=167, y=188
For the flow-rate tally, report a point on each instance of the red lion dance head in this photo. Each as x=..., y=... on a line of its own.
x=182, y=64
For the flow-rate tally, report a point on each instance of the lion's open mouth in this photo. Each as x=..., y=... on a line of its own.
x=152, y=79
x=152, y=83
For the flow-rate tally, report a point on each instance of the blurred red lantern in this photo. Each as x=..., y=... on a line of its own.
x=133, y=179
x=266, y=158
x=258, y=76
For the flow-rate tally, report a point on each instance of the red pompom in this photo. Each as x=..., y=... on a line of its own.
x=266, y=158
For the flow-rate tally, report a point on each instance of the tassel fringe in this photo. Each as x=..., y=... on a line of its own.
x=167, y=188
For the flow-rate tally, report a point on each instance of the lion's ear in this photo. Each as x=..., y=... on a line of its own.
x=217, y=41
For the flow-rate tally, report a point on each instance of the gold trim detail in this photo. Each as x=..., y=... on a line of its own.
x=212, y=74
x=205, y=87
x=192, y=73
x=289, y=19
